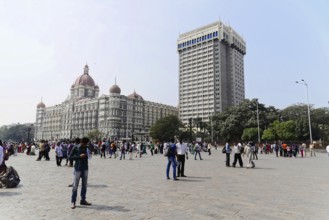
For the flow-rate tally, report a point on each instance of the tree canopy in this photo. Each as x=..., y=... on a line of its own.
x=17, y=133
x=165, y=128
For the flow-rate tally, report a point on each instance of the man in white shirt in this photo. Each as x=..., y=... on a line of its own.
x=182, y=150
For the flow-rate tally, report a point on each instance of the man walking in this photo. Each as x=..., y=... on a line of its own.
x=237, y=155
x=248, y=150
x=182, y=150
x=80, y=155
x=197, y=149
x=41, y=150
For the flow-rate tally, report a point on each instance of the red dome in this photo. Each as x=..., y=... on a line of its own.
x=41, y=105
x=135, y=96
x=84, y=79
x=115, y=89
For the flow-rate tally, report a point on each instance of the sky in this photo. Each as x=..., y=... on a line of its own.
x=44, y=46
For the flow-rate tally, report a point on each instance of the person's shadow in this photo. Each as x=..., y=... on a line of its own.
x=9, y=193
x=106, y=208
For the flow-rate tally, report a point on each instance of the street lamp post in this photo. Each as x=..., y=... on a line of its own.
x=308, y=109
x=212, y=127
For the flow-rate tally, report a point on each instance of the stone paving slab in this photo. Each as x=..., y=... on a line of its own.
x=278, y=188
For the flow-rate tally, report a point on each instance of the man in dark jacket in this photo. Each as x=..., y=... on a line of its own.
x=80, y=155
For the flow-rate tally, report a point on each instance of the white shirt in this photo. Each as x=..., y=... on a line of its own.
x=165, y=145
x=58, y=150
x=181, y=148
x=237, y=149
x=1, y=154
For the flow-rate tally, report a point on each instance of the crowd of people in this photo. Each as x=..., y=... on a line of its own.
x=76, y=154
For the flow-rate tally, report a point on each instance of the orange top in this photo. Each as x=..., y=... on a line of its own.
x=284, y=146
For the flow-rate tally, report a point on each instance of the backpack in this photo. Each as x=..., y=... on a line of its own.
x=10, y=178
x=224, y=150
x=169, y=151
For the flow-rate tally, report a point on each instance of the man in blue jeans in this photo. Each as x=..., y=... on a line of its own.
x=172, y=152
x=80, y=155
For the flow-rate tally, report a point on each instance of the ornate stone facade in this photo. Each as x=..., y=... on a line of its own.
x=116, y=116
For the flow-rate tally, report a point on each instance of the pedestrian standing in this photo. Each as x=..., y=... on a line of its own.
x=255, y=151
x=303, y=150
x=171, y=154
x=103, y=150
x=152, y=148
x=276, y=149
x=131, y=150
x=59, y=154
x=228, y=152
x=123, y=151
x=182, y=152
x=64, y=150
x=80, y=156
x=209, y=148
x=47, y=150
x=312, y=150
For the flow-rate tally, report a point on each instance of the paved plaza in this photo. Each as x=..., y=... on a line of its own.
x=278, y=188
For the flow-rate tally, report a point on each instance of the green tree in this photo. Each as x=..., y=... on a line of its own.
x=231, y=123
x=17, y=133
x=249, y=134
x=165, y=128
x=286, y=130
x=95, y=135
x=269, y=135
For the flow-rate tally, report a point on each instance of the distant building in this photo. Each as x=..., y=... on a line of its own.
x=211, y=71
x=115, y=115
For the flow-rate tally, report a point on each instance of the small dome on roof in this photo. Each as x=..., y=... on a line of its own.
x=135, y=96
x=115, y=89
x=41, y=105
x=84, y=79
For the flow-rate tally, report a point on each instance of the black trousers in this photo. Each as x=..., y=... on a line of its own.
x=46, y=154
x=58, y=160
x=181, y=165
x=41, y=154
x=236, y=158
x=227, y=159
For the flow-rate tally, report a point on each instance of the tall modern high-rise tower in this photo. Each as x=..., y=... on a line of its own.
x=211, y=71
